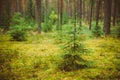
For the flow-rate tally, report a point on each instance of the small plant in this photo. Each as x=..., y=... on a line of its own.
x=65, y=18
x=53, y=17
x=72, y=62
x=17, y=19
x=47, y=27
x=18, y=35
x=97, y=31
x=18, y=29
x=73, y=50
x=72, y=59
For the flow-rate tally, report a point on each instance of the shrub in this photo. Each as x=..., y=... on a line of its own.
x=72, y=59
x=53, y=17
x=97, y=31
x=72, y=62
x=24, y=23
x=47, y=27
x=18, y=35
x=65, y=18
x=73, y=49
x=17, y=19
x=18, y=28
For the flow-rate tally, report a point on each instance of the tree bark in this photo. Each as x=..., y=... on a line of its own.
x=38, y=14
x=46, y=10
x=114, y=13
x=79, y=8
x=83, y=8
x=60, y=9
x=91, y=10
x=98, y=6
x=107, y=19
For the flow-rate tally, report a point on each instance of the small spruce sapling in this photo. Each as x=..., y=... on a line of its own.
x=73, y=50
x=17, y=28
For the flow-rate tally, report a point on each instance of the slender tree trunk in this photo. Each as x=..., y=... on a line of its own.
x=75, y=30
x=114, y=13
x=98, y=6
x=70, y=9
x=38, y=13
x=60, y=9
x=18, y=5
x=107, y=19
x=8, y=14
x=91, y=10
x=83, y=8
x=79, y=11
x=46, y=10
x=118, y=11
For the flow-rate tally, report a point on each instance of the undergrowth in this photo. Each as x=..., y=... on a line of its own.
x=40, y=57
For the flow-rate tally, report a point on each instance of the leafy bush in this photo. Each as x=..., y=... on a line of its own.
x=3, y=23
x=97, y=31
x=18, y=29
x=23, y=23
x=17, y=19
x=18, y=35
x=53, y=17
x=65, y=18
x=47, y=27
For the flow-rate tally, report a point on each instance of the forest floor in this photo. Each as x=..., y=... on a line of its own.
x=38, y=58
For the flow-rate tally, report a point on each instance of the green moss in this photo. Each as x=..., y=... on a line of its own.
x=39, y=57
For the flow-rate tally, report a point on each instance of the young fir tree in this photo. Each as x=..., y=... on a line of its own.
x=74, y=49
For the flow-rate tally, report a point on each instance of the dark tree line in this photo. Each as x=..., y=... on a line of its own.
x=87, y=11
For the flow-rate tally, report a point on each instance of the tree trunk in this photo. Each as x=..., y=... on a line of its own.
x=98, y=6
x=8, y=14
x=91, y=10
x=60, y=9
x=107, y=19
x=38, y=13
x=114, y=13
x=46, y=10
x=79, y=8
x=83, y=8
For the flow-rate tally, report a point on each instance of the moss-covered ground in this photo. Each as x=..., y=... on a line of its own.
x=38, y=57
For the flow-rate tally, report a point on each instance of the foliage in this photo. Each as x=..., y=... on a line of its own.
x=118, y=31
x=97, y=31
x=17, y=19
x=40, y=57
x=13, y=66
x=72, y=62
x=17, y=29
x=47, y=27
x=53, y=17
x=72, y=59
x=4, y=24
x=18, y=35
x=73, y=50
x=24, y=23
x=6, y=59
x=65, y=18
